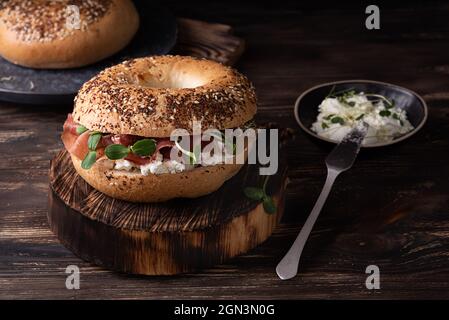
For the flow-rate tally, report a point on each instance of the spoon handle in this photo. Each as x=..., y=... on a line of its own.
x=288, y=266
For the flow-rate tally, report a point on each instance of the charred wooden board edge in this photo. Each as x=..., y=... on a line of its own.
x=160, y=253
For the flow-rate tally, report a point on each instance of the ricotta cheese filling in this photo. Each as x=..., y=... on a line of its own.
x=160, y=165
x=340, y=114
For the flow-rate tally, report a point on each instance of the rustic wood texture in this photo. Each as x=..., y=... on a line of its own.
x=391, y=209
x=213, y=41
x=172, y=237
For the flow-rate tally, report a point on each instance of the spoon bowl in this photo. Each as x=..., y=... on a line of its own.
x=306, y=106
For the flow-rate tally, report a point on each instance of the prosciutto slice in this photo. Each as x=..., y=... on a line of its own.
x=78, y=144
x=70, y=125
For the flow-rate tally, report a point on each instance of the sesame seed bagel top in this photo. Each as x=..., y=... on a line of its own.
x=45, y=20
x=59, y=34
x=152, y=96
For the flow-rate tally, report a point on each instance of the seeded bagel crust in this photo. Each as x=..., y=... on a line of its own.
x=34, y=33
x=152, y=96
x=135, y=187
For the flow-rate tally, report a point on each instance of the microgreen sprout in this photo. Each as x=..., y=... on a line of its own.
x=260, y=194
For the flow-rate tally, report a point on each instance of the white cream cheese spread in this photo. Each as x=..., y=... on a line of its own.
x=157, y=166
x=338, y=114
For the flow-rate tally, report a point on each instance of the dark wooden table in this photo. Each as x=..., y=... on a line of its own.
x=391, y=209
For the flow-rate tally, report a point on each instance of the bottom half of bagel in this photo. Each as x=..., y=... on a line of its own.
x=135, y=187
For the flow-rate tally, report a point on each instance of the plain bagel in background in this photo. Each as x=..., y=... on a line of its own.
x=35, y=34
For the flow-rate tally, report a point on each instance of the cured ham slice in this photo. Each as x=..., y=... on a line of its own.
x=70, y=125
x=164, y=147
x=77, y=144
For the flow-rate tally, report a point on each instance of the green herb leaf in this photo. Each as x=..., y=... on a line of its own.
x=395, y=116
x=338, y=120
x=360, y=116
x=342, y=100
x=89, y=160
x=351, y=103
x=80, y=129
x=401, y=122
x=346, y=92
x=269, y=205
x=331, y=93
x=350, y=93
x=254, y=193
x=385, y=113
x=93, y=141
x=116, y=151
x=144, y=147
x=324, y=125
x=328, y=117
x=390, y=104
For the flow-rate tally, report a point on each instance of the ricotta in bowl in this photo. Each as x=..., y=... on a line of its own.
x=340, y=113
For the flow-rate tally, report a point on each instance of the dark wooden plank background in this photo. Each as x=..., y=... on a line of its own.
x=391, y=209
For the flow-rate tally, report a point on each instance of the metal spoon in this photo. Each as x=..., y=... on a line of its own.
x=340, y=159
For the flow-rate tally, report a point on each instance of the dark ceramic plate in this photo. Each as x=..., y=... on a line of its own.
x=306, y=106
x=156, y=35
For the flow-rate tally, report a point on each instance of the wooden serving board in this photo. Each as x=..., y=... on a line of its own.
x=167, y=238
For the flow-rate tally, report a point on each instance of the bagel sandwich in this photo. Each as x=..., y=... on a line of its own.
x=120, y=133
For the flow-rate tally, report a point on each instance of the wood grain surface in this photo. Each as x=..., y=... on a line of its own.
x=213, y=41
x=167, y=238
x=391, y=209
